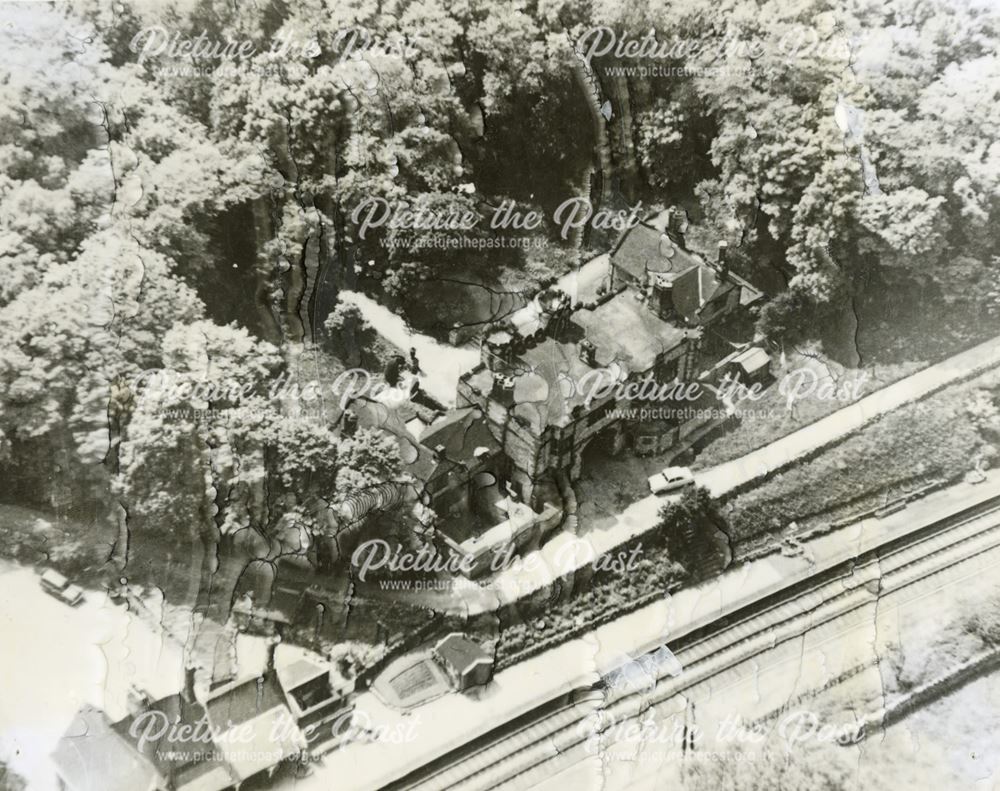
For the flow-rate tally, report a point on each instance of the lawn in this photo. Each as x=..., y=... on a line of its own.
x=609, y=484
x=939, y=438
x=765, y=420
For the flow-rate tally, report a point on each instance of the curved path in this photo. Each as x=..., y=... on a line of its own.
x=441, y=363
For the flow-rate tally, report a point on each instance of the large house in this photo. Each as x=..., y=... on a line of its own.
x=494, y=472
x=546, y=383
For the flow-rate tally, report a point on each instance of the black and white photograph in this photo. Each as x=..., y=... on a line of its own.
x=499, y=395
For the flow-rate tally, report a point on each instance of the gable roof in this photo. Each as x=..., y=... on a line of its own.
x=92, y=756
x=694, y=289
x=188, y=760
x=645, y=249
x=461, y=653
x=252, y=721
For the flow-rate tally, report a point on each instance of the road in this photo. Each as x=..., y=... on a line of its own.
x=444, y=364
x=56, y=658
x=765, y=664
x=64, y=657
x=825, y=431
x=538, y=570
x=450, y=723
x=851, y=644
x=96, y=651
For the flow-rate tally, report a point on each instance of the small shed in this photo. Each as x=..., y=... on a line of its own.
x=465, y=661
x=751, y=366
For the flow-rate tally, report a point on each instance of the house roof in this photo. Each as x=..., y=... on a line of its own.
x=242, y=729
x=695, y=288
x=461, y=653
x=548, y=389
x=547, y=377
x=645, y=249
x=464, y=438
x=241, y=701
x=93, y=756
x=622, y=329
x=252, y=721
x=300, y=672
x=187, y=759
x=752, y=360
x=626, y=331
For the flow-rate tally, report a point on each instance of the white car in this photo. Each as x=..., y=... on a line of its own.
x=55, y=584
x=671, y=479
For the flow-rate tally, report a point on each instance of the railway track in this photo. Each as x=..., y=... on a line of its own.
x=513, y=752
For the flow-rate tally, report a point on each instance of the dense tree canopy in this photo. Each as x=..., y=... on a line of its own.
x=163, y=208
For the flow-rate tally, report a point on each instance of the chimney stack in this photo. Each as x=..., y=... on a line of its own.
x=496, y=349
x=676, y=225
x=661, y=297
x=724, y=257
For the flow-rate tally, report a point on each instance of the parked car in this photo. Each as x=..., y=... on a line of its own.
x=671, y=479
x=55, y=584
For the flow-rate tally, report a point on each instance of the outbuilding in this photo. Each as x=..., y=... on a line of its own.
x=464, y=660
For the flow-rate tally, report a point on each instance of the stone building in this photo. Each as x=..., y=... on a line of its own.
x=553, y=378
x=559, y=376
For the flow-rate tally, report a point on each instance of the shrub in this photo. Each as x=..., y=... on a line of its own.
x=984, y=623
x=690, y=528
x=348, y=333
